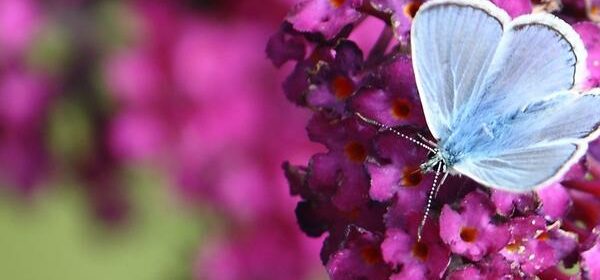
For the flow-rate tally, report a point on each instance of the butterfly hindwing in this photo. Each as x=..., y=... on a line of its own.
x=533, y=145
x=520, y=170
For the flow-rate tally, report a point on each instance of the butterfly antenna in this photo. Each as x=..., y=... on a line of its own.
x=434, y=187
x=385, y=127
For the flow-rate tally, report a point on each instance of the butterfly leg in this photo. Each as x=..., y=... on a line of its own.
x=433, y=190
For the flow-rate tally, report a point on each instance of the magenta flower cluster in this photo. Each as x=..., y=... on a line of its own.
x=25, y=93
x=366, y=193
x=91, y=90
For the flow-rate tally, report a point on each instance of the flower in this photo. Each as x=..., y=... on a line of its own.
x=20, y=22
x=471, y=232
x=400, y=13
x=590, y=33
x=193, y=99
x=514, y=8
x=590, y=265
x=366, y=193
x=325, y=17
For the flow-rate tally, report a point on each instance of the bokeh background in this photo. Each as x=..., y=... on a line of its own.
x=144, y=140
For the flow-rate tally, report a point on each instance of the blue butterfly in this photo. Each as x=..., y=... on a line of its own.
x=501, y=96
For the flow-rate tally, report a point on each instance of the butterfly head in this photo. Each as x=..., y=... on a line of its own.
x=435, y=159
x=439, y=157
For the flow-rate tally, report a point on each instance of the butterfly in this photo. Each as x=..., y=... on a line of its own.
x=501, y=97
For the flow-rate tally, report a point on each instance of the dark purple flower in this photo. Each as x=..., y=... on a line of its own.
x=343, y=169
x=394, y=100
x=359, y=257
x=401, y=14
x=24, y=104
x=284, y=46
x=573, y=10
x=326, y=17
x=492, y=267
x=335, y=81
x=412, y=259
x=402, y=175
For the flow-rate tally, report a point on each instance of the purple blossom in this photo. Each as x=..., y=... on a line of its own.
x=593, y=9
x=508, y=203
x=514, y=8
x=401, y=13
x=535, y=247
x=366, y=194
x=555, y=202
x=471, y=232
x=392, y=99
x=194, y=100
x=590, y=256
x=413, y=259
x=25, y=97
x=20, y=21
x=359, y=257
x=590, y=33
x=326, y=17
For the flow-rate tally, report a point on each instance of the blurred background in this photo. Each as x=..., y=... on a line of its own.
x=144, y=140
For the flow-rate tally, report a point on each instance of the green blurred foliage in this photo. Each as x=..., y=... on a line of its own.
x=54, y=238
x=51, y=52
x=70, y=131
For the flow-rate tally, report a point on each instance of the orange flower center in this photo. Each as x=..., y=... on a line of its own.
x=411, y=176
x=342, y=87
x=355, y=151
x=420, y=251
x=410, y=9
x=371, y=255
x=468, y=234
x=513, y=247
x=595, y=10
x=337, y=3
x=401, y=108
x=543, y=236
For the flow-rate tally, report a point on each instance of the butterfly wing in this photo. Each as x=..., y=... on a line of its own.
x=538, y=55
x=453, y=43
x=535, y=145
x=521, y=170
x=488, y=88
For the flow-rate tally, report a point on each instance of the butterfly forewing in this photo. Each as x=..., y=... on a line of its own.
x=538, y=55
x=453, y=43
